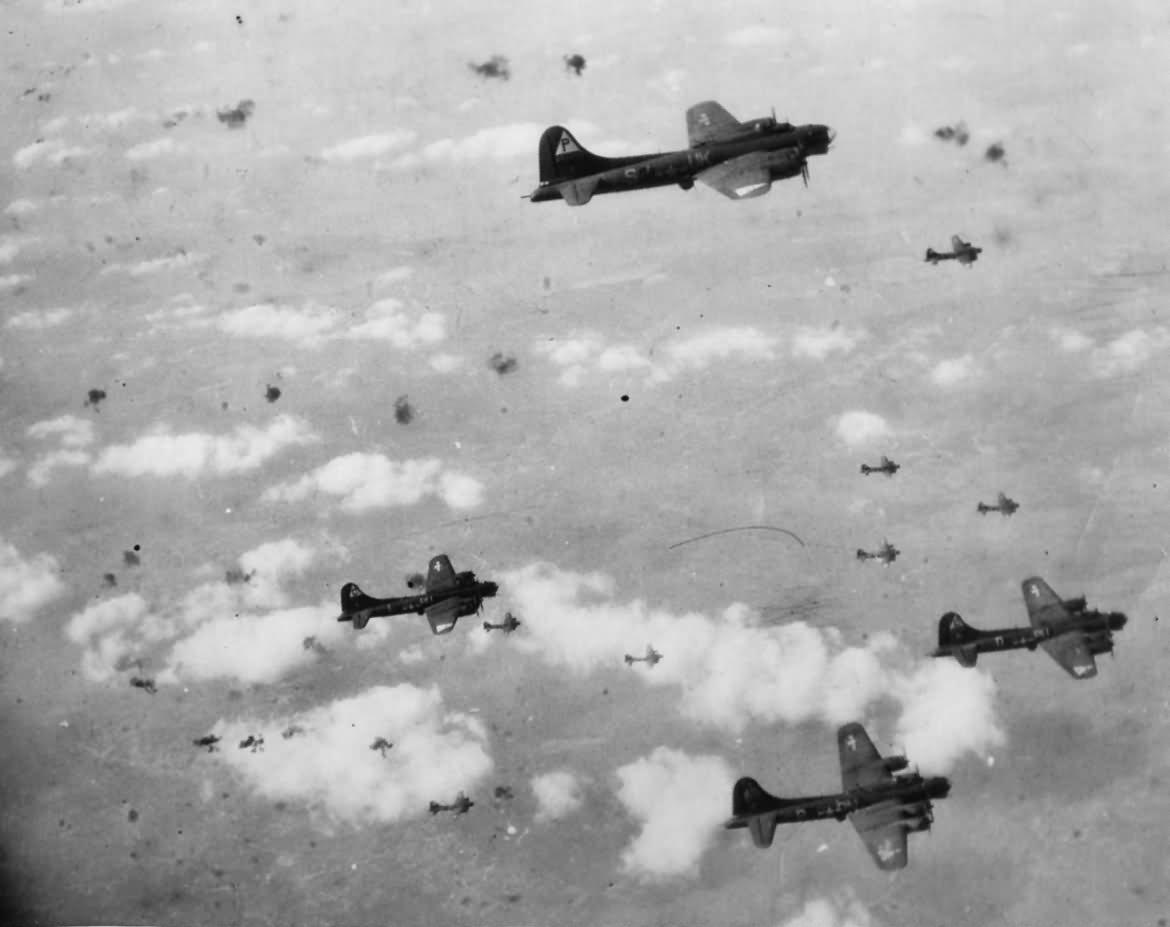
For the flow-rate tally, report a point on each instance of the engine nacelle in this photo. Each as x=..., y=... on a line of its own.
x=784, y=164
x=1100, y=643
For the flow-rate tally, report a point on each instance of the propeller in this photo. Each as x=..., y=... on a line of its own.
x=804, y=171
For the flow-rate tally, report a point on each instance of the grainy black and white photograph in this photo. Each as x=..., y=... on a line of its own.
x=606, y=465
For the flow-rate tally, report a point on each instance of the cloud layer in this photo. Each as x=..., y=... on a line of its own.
x=26, y=584
x=680, y=802
x=372, y=481
x=557, y=793
x=194, y=454
x=327, y=763
x=730, y=671
x=241, y=627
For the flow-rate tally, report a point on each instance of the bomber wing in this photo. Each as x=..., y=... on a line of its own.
x=861, y=764
x=740, y=178
x=1045, y=608
x=1071, y=652
x=883, y=837
x=709, y=122
x=440, y=574
x=442, y=617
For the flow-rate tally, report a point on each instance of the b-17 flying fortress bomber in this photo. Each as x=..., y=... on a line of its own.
x=650, y=659
x=461, y=805
x=887, y=466
x=508, y=625
x=883, y=806
x=739, y=159
x=1071, y=634
x=962, y=251
x=1003, y=505
x=448, y=597
x=886, y=554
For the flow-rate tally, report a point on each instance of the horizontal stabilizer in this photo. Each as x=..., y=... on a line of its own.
x=763, y=829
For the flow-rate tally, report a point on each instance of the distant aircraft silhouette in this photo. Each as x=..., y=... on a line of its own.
x=574, y=63
x=887, y=466
x=887, y=553
x=1003, y=505
x=508, y=625
x=650, y=659
x=461, y=805
x=962, y=251
x=209, y=741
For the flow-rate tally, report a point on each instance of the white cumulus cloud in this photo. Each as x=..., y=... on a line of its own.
x=70, y=430
x=26, y=584
x=953, y=371
x=857, y=428
x=1127, y=353
x=241, y=627
x=34, y=320
x=372, y=481
x=587, y=352
x=148, y=151
x=947, y=711
x=729, y=670
x=328, y=763
x=655, y=790
x=1070, y=340
x=558, y=794
x=368, y=146
x=819, y=343
x=193, y=454
x=845, y=911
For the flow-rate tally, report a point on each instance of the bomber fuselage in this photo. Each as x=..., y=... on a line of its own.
x=637, y=172
x=906, y=791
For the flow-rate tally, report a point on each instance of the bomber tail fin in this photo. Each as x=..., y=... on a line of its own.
x=750, y=801
x=749, y=797
x=932, y=255
x=562, y=157
x=953, y=630
x=355, y=606
x=957, y=638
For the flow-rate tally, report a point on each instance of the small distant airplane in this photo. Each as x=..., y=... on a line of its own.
x=253, y=741
x=1003, y=504
x=739, y=159
x=887, y=466
x=575, y=63
x=962, y=251
x=1071, y=634
x=887, y=553
x=209, y=741
x=447, y=598
x=650, y=659
x=508, y=625
x=147, y=685
x=883, y=807
x=461, y=805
